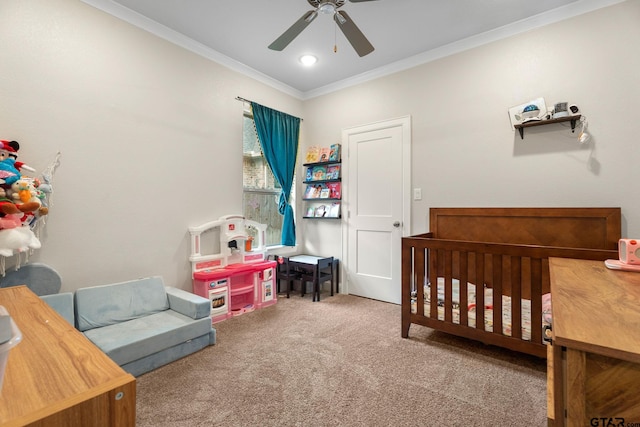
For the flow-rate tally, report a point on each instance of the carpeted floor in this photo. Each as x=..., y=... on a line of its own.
x=341, y=362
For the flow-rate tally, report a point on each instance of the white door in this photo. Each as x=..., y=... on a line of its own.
x=377, y=207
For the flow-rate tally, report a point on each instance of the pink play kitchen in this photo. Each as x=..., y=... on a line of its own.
x=233, y=273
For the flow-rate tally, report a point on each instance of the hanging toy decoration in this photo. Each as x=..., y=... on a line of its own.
x=23, y=204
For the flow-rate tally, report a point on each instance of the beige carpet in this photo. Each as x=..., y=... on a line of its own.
x=341, y=362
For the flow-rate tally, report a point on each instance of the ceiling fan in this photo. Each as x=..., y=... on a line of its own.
x=348, y=27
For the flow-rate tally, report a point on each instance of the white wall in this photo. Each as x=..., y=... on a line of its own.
x=150, y=136
x=464, y=151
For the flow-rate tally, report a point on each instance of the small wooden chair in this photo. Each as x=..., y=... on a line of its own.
x=286, y=273
x=323, y=272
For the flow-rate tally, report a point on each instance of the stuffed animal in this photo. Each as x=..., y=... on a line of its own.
x=17, y=240
x=24, y=194
x=9, y=167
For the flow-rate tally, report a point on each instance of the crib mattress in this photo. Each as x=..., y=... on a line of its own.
x=488, y=313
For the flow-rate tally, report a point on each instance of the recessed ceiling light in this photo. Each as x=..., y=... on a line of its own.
x=308, y=60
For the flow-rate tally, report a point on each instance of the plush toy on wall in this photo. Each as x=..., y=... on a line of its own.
x=9, y=167
x=23, y=201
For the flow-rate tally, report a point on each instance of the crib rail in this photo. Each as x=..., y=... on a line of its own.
x=515, y=271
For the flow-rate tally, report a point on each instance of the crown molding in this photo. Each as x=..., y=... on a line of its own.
x=556, y=15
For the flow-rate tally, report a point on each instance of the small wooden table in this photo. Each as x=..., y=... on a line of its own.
x=307, y=263
x=55, y=376
x=596, y=330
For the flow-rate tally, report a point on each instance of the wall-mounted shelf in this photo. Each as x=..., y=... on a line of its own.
x=323, y=184
x=572, y=119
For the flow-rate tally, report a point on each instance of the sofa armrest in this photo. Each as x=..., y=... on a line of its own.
x=63, y=304
x=189, y=304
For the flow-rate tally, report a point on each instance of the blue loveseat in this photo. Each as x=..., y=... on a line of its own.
x=140, y=324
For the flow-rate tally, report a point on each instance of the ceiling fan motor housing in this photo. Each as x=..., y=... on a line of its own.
x=318, y=3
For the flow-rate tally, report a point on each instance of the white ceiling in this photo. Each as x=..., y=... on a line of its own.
x=405, y=33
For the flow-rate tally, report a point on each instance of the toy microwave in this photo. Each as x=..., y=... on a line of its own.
x=629, y=254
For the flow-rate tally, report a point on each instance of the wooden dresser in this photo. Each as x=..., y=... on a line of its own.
x=594, y=363
x=55, y=376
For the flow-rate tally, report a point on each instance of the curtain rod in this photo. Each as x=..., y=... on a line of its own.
x=239, y=98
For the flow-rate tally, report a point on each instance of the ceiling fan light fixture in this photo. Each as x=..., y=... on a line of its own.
x=308, y=60
x=327, y=8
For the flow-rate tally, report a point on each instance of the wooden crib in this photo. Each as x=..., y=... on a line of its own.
x=472, y=256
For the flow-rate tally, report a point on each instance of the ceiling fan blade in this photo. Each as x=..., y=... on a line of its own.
x=293, y=31
x=359, y=1
x=353, y=34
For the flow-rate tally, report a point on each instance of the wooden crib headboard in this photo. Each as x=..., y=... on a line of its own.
x=587, y=228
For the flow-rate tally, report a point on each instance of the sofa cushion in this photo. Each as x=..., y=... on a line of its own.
x=128, y=341
x=106, y=305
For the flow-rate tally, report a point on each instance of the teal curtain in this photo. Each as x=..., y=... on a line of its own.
x=278, y=135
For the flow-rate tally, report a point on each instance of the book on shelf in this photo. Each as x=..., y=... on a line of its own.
x=319, y=173
x=335, y=190
x=334, y=153
x=324, y=154
x=313, y=191
x=309, y=174
x=333, y=172
x=321, y=211
x=334, y=210
x=313, y=155
x=311, y=211
x=324, y=193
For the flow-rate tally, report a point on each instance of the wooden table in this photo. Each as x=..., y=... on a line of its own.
x=307, y=263
x=55, y=376
x=596, y=330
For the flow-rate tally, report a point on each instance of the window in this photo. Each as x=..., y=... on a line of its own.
x=261, y=191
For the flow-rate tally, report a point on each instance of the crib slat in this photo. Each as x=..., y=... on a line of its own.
x=448, y=306
x=419, y=278
x=516, y=297
x=497, y=294
x=434, y=257
x=536, y=300
x=479, y=290
x=464, y=292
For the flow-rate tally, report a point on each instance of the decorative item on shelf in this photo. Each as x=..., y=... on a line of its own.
x=583, y=136
x=533, y=110
x=561, y=109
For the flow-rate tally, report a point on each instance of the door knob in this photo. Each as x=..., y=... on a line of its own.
x=396, y=224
